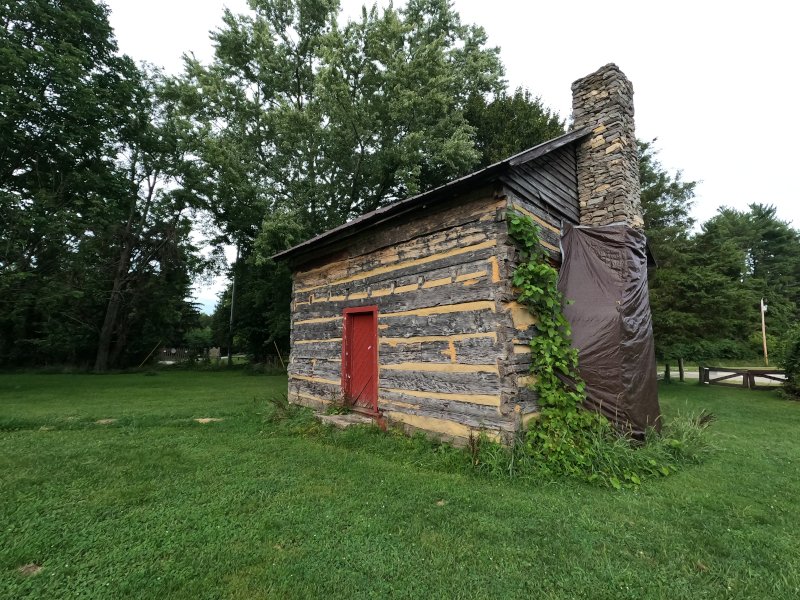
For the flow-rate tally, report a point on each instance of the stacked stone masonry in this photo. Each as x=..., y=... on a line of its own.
x=608, y=166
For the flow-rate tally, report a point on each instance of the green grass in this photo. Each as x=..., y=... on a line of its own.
x=158, y=506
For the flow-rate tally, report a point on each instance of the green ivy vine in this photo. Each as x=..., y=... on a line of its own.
x=566, y=439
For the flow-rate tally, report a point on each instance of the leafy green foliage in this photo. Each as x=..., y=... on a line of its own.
x=301, y=119
x=565, y=439
x=95, y=260
x=791, y=364
x=705, y=292
x=299, y=124
x=510, y=123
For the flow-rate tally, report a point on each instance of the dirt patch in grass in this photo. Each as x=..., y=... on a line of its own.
x=205, y=420
x=105, y=421
x=29, y=569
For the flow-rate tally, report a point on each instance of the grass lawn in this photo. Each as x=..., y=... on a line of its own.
x=155, y=505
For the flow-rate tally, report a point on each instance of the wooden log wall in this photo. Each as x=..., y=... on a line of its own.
x=546, y=191
x=436, y=279
x=453, y=347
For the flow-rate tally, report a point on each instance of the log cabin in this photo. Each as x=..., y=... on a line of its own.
x=408, y=312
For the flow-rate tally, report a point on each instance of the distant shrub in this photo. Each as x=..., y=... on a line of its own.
x=791, y=363
x=711, y=350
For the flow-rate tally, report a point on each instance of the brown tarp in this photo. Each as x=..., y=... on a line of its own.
x=604, y=274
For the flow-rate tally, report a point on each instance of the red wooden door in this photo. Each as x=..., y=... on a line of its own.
x=360, y=357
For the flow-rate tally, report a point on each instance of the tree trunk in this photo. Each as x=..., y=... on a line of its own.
x=112, y=310
x=115, y=301
x=121, y=342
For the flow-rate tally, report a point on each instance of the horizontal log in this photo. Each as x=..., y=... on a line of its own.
x=316, y=388
x=432, y=404
x=447, y=367
x=442, y=324
x=315, y=402
x=482, y=399
x=497, y=421
x=438, y=321
x=489, y=337
x=304, y=331
x=401, y=268
x=457, y=271
x=452, y=293
x=520, y=395
x=433, y=229
x=477, y=233
x=400, y=278
x=449, y=431
x=443, y=309
x=519, y=361
x=467, y=351
x=453, y=383
x=477, y=206
x=330, y=370
x=475, y=415
x=317, y=350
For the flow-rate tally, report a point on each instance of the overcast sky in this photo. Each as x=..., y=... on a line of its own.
x=715, y=82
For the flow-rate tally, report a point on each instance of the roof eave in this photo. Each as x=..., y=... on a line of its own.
x=318, y=244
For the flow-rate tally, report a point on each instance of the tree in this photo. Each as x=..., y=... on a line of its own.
x=145, y=231
x=63, y=93
x=699, y=303
x=767, y=252
x=300, y=124
x=705, y=293
x=327, y=123
x=510, y=123
x=94, y=260
x=666, y=204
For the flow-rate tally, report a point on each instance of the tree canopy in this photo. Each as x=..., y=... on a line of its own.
x=95, y=260
x=301, y=123
x=113, y=175
x=705, y=294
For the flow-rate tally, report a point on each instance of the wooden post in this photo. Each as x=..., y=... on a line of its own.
x=701, y=374
x=680, y=370
x=764, y=332
x=279, y=355
x=667, y=378
x=233, y=302
x=149, y=355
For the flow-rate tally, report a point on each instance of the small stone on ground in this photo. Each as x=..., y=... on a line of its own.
x=29, y=569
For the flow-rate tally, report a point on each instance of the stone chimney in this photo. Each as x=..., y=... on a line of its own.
x=608, y=160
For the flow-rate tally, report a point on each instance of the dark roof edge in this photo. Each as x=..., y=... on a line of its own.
x=401, y=207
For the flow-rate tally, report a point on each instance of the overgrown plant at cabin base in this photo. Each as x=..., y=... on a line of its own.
x=565, y=439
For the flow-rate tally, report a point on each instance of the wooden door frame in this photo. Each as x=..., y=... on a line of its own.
x=347, y=314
